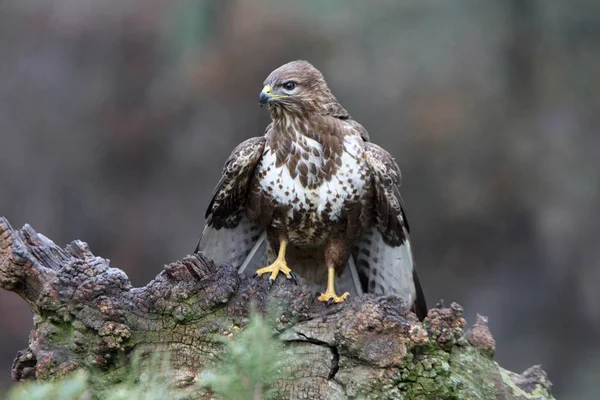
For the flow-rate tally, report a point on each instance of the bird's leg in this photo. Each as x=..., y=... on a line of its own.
x=278, y=266
x=329, y=296
x=336, y=254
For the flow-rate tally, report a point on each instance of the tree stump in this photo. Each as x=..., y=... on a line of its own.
x=88, y=315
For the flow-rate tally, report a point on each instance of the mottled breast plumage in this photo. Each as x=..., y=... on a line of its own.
x=311, y=183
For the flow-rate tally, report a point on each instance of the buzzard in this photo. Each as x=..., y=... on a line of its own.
x=315, y=195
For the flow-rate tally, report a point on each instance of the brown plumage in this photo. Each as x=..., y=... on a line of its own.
x=325, y=198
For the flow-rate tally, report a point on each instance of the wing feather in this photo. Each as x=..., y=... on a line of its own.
x=227, y=205
x=228, y=235
x=382, y=253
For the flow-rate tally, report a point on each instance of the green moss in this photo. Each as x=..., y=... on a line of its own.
x=59, y=332
x=474, y=376
x=538, y=392
x=429, y=378
x=247, y=363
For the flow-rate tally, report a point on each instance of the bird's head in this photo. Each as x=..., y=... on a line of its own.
x=296, y=88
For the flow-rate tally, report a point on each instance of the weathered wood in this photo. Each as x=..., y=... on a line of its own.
x=87, y=314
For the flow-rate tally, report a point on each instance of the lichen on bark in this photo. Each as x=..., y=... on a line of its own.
x=87, y=315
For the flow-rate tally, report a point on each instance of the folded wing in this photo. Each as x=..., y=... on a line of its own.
x=382, y=252
x=228, y=236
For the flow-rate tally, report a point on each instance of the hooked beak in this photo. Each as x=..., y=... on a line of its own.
x=265, y=95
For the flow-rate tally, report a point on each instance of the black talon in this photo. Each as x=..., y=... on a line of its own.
x=294, y=277
x=255, y=275
x=317, y=295
x=271, y=281
x=329, y=301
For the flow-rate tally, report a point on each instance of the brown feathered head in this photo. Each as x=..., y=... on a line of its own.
x=297, y=88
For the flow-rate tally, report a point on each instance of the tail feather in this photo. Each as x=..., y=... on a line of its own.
x=355, y=277
x=374, y=266
x=232, y=245
x=419, y=306
x=256, y=256
x=309, y=263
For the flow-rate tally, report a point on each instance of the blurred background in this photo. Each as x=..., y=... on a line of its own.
x=117, y=116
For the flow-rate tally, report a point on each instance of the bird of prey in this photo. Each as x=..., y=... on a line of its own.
x=313, y=195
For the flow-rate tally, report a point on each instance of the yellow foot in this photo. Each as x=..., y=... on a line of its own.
x=279, y=266
x=331, y=297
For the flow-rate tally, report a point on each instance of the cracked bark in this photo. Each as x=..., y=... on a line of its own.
x=87, y=314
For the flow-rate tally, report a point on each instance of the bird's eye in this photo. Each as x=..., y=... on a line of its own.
x=289, y=85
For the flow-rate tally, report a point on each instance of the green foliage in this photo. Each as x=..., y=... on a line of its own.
x=73, y=387
x=250, y=364
x=148, y=379
x=251, y=361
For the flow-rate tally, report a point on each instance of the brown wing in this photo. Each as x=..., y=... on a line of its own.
x=228, y=235
x=337, y=111
x=229, y=197
x=389, y=211
x=359, y=128
x=382, y=252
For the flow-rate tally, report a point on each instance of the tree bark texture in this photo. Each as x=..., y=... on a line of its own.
x=88, y=315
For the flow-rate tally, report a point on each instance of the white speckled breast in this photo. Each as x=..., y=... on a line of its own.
x=321, y=204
